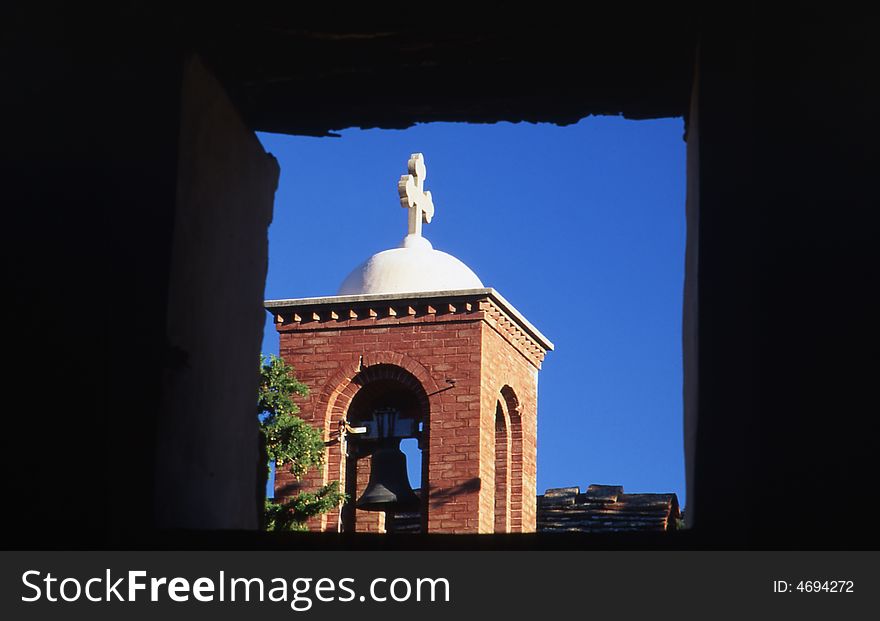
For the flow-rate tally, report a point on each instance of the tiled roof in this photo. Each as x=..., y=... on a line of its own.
x=605, y=508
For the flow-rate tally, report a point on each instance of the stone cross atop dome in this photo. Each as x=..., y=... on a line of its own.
x=413, y=196
x=415, y=265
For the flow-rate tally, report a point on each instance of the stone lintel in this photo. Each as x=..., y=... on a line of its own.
x=457, y=301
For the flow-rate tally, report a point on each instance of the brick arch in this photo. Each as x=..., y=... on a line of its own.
x=511, y=406
x=511, y=401
x=339, y=391
x=502, y=466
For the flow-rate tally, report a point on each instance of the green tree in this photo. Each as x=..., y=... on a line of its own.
x=292, y=444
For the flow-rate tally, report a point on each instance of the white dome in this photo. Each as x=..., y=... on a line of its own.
x=413, y=267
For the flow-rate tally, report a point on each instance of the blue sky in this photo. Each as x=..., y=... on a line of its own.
x=581, y=228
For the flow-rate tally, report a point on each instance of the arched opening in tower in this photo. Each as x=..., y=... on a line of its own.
x=502, y=470
x=375, y=398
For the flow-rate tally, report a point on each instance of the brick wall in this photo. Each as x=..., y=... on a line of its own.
x=511, y=382
x=458, y=359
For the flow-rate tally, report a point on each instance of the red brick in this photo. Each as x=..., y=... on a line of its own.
x=481, y=358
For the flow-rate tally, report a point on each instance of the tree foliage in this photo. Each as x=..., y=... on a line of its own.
x=293, y=514
x=292, y=444
x=290, y=441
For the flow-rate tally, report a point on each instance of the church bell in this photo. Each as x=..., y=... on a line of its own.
x=388, y=488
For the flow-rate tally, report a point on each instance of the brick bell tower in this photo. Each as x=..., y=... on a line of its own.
x=413, y=345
